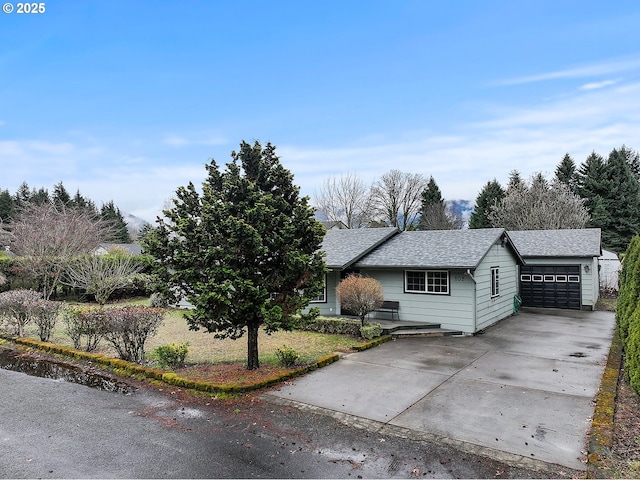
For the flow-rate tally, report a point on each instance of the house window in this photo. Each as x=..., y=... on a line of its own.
x=495, y=281
x=525, y=278
x=322, y=298
x=429, y=281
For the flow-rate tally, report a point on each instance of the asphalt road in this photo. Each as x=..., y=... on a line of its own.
x=55, y=429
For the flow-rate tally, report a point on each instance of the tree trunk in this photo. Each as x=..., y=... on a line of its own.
x=253, y=363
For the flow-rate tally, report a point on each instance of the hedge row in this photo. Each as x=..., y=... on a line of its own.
x=628, y=312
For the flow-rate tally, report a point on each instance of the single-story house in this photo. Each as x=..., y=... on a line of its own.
x=464, y=280
x=561, y=267
x=130, y=248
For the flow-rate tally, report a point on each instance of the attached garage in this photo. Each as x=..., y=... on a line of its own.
x=561, y=267
x=551, y=286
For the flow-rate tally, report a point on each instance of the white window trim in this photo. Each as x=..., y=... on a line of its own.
x=323, y=297
x=426, y=282
x=495, y=282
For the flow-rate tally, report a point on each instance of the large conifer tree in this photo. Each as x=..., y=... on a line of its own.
x=245, y=251
x=489, y=196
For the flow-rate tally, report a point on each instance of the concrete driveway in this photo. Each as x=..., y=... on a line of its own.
x=521, y=392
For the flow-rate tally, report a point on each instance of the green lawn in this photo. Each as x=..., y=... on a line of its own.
x=205, y=348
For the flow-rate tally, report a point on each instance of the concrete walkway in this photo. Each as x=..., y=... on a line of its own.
x=521, y=392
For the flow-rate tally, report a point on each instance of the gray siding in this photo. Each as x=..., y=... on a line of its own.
x=454, y=311
x=492, y=309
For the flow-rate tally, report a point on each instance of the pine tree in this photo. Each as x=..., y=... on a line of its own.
x=434, y=214
x=566, y=173
x=245, y=250
x=622, y=203
x=111, y=214
x=60, y=195
x=489, y=196
x=592, y=180
x=7, y=206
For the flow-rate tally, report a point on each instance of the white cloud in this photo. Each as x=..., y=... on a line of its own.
x=597, y=85
x=597, y=69
x=528, y=139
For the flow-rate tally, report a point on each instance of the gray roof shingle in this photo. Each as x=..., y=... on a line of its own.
x=584, y=242
x=434, y=249
x=344, y=247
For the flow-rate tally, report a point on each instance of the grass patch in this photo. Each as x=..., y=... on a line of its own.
x=222, y=361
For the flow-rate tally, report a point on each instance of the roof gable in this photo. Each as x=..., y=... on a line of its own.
x=583, y=242
x=435, y=249
x=346, y=246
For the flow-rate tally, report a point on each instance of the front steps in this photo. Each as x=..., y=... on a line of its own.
x=416, y=329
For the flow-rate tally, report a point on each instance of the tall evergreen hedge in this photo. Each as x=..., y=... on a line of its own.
x=628, y=312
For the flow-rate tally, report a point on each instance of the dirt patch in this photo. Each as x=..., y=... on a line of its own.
x=231, y=373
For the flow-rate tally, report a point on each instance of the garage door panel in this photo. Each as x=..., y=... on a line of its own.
x=551, y=286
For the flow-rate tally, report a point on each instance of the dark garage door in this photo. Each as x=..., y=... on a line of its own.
x=550, y=286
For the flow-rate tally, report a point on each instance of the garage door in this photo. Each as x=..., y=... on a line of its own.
x=550, y=286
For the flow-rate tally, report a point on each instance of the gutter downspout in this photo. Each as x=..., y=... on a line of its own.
x=475, y=300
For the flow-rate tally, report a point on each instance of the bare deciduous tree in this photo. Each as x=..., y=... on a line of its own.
x=539, y=205
x=100, y=275
x=345, y=199
x=48, y=236
x=397, y=198
x=440, y=216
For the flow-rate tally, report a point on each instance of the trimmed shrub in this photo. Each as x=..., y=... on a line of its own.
x=45, y=315
x=128, y=328
x=172, y=355
x=360, y=295
x=370, y=331
x=337, y=326
x=287, y=356
x=17, y=307
x=84, y=322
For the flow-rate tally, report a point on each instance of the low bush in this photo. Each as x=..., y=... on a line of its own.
x=128, y=328
x=16, y=308
x=84, y=323
x=44, y=314
x=337, y=326
x=287, y=356
x=370, y=331
x=172, y=355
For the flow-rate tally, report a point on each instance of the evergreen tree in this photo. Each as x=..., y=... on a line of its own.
x=40, y=196
x=60, y=195
x=621, y=220
x=592, y=180
x=245, y=250
x=111, y=214
x=7, y=206
x=82, y=203
x=515, y=181
x=489, y=196
x=566, y=173
x=23, y=194
x=434, y=214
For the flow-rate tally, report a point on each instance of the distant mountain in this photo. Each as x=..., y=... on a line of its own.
x=464, y=208
x=134, y=224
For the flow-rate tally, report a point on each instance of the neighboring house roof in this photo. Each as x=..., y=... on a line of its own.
x=130, y=248
x=343, y=247
x=584, y=242
x=436, y=249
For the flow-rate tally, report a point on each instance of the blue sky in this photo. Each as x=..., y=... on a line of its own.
x=127, y=100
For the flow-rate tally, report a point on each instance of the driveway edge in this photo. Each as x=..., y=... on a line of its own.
x=511, y=459
x=601, y=434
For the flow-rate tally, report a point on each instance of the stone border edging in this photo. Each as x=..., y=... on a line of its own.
x=602, y=425
x=123, y=367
